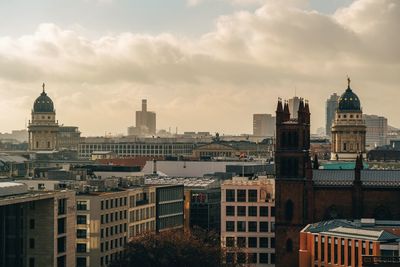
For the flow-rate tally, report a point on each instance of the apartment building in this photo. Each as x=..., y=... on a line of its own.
x=248, y=221
x=37, y=228
x=102, y=227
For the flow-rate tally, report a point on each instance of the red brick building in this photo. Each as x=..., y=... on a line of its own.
x=304, y=195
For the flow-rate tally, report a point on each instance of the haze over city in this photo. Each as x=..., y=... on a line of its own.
x=202, y=65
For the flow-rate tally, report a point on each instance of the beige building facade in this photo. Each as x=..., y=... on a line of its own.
x=348, y=130
x=248, y=221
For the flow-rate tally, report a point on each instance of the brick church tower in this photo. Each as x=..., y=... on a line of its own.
x=293, y=183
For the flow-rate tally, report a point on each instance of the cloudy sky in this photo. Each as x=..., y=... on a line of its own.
x=203, y=65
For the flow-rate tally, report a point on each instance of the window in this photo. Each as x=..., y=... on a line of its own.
x=61, y=226
x=31, y=243
x=273, y=211
x=252, y=242
x=241, y=257
x=81, y=233
x=32, y=224
x=230, y=195
x=264, y=211
x=252, y=257
x=253, y=195
x=81, y=247
x=316, y=248
x=241, y=242
x=263, y=257
x=272, y=226
x=263, y=226
x=263, y=242
x=230, y=257
x=230, y=211
x=61, y=242
x=61, y=206
x=349, y=256
x=82, y=205
x=102, y=205
x=31, y=262
x=80, y=219
x=272, y=258
x=230, y=242
x=241, y=195
x=252, y=226
x=241, y=226
x=272, y=242
x=241, y=210
x=253, y=211
x=81, y=262
x=230, y=226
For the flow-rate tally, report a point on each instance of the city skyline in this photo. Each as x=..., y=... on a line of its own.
x=235, y=66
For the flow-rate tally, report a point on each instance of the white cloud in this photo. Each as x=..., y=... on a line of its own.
x=238, y=69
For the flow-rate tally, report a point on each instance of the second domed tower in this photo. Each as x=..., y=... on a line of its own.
x=348, y=129
x=43, y=128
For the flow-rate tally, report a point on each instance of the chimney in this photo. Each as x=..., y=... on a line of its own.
x=144, y=105
x=154, y=166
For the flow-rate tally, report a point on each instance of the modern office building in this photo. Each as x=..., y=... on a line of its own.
x=248, y=221
x=348, y=130
x=377, y=131
x=169, y=207
x=365, y=242
x=37, y=228
x=331, y=107
x=145, y=122
x=263, y=125
x=43, y=127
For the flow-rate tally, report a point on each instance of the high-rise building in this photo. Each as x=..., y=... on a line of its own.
x=263, y=125
x=146, y=120
x=248, y=221
x=377, y=130
x=348, y=130
x=37, y=228
x=43, y=128
x=331, y=106
x=294, y=106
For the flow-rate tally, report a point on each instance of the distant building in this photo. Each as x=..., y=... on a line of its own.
x=248, y=221
x=331, y=106
x=263, y=125
x=68, y=138
x=350, y=243
x=43, y=128
x=37, y=228
x=348, y=130
x=169, y=207
x=377, y=131
x=294, y=106
x=145, y=122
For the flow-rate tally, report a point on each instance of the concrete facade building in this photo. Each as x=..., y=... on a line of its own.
x=263, y=125
x=43, y=127
x=331, y=107
x=377, y=131
x=248, y=221
x=37, y=228
x=348, y=130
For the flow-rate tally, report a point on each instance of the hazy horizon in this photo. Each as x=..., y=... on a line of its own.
x=203, y=65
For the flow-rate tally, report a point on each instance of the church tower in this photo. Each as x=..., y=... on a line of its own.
x=348, y=130
x=43, y=128
x=293, y=184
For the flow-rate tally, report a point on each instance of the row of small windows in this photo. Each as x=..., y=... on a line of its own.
x=113, y=230
x=113, y=244
x=241, y=195
x=113, y=203
x=170, y=194
x=141, y=214
x=351, y=116
x=135, y=230
x=105, y=260
x=251, y=226
x=170, y=222
x=170, y=208
x=250, y=258
x=252, y=242
x=113, y=216
x=252, y=211
x=328, y=243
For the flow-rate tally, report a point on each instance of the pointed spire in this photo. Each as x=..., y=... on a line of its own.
x=307, y=114
x=286, y=112
x=279, y=108
x=300, y=111
x=43, y=86
x=279, y=112
x=348, y=81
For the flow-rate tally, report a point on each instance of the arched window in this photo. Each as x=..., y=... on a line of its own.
x=289, y=210
x=289, y=245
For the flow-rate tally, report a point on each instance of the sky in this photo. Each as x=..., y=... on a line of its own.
x=203, y=65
